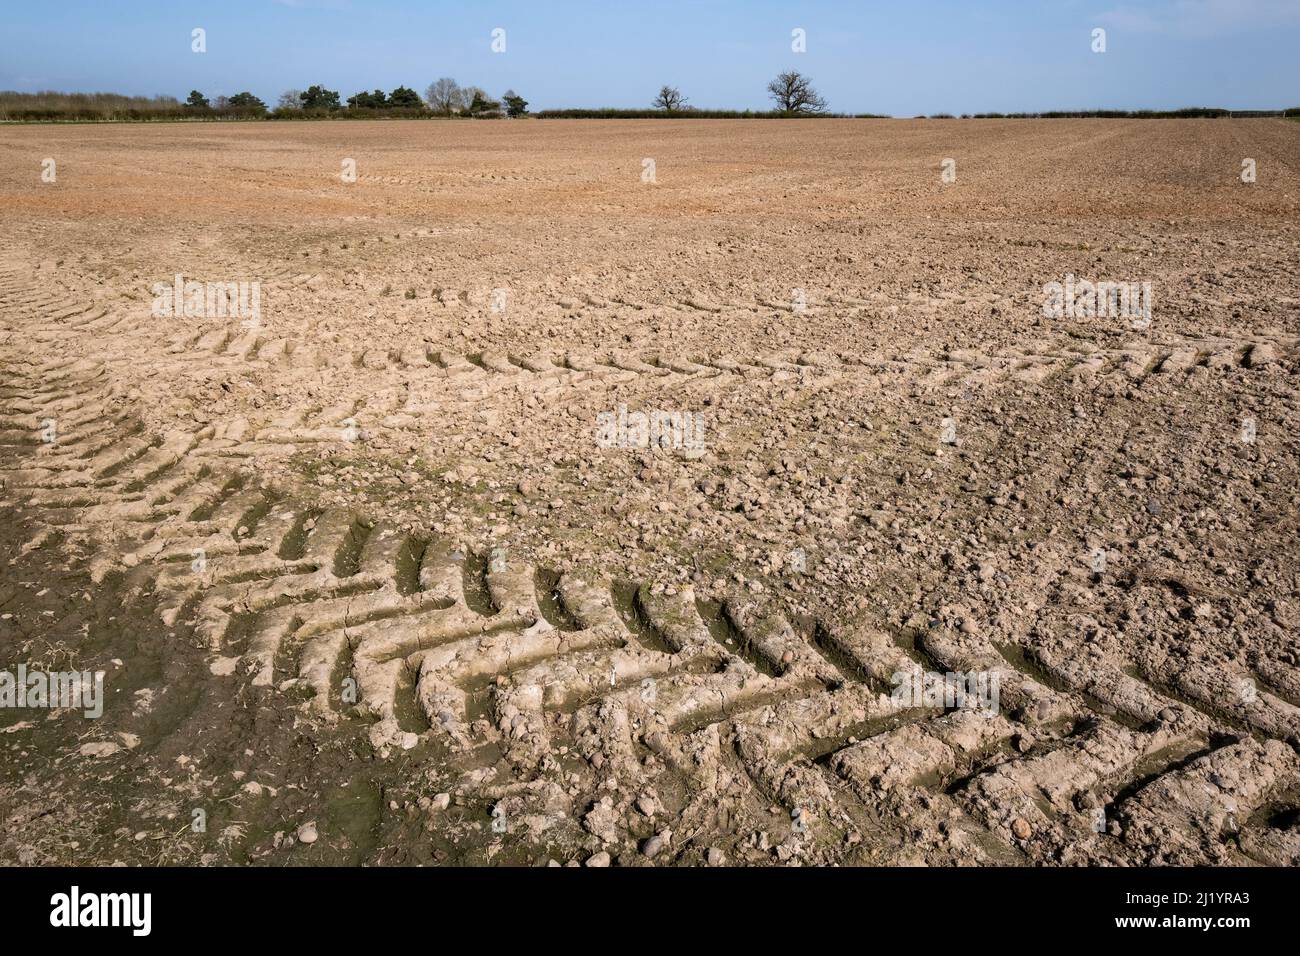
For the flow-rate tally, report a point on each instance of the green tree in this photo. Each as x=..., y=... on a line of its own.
x=246, y=104
x=197, y=101
x=318, y=98
x=368, y=101
x=480, y=103
x=516, y=105
x=405, y=98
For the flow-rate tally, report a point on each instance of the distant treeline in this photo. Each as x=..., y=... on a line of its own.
x=445, y=99
x=692, y=113
x=36, y=107
x=1191, y=112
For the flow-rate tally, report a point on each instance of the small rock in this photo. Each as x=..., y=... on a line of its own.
x=223, y=666
x=103, y=748
x=652, y=847
x=307, y=832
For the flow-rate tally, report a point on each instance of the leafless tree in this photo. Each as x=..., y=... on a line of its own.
x=793, y=93
x=445, y=96
x=290, y=100
x=670, y=99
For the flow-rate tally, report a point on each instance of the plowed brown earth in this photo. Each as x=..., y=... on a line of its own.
x=361, y=570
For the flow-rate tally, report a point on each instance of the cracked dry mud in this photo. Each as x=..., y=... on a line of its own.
x=362, y=574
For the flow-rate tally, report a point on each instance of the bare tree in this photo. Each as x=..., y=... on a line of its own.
x=670, y=99
x=289, y=100
x=445, y=96
x=793, y=93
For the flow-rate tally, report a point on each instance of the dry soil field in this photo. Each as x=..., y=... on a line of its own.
x=387, y=571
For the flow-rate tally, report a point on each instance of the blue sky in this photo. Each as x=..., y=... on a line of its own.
x=902, y=57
